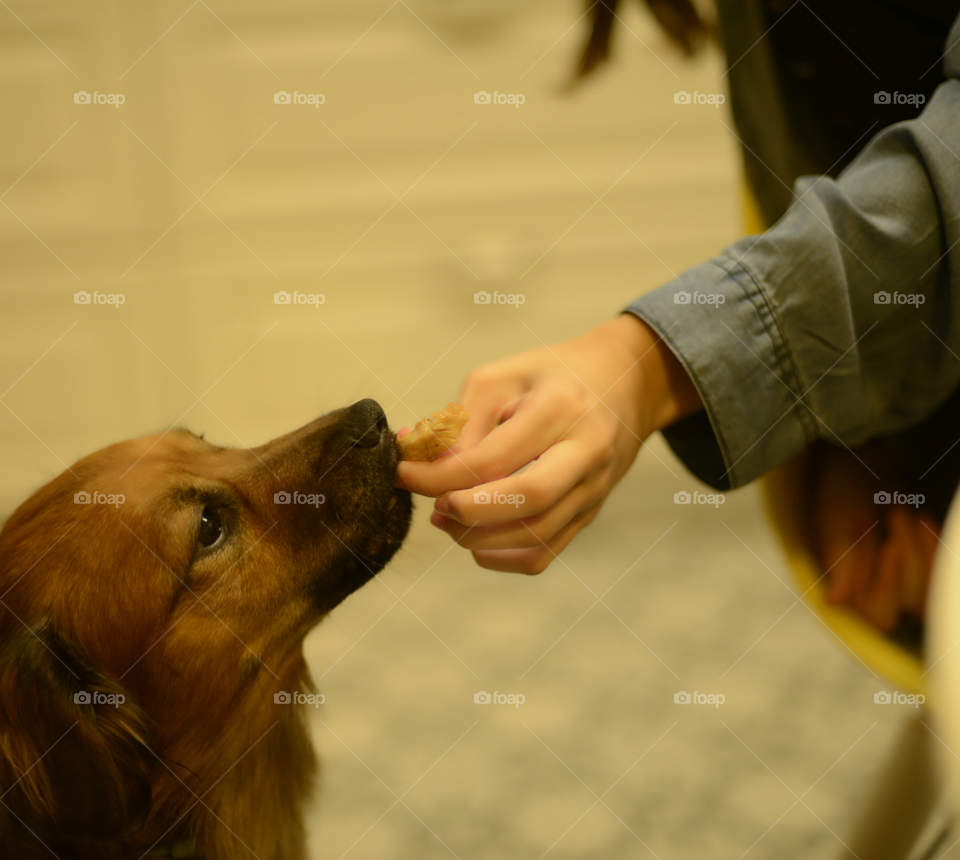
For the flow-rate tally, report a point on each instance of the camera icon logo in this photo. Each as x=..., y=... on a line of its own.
x=281, y=698
x=881, y=98
x=881, y=298
x=481, y=98
x=481, y=298
x=481, y=698
x=81, y=698
x=681, y=98
x=482, y=497
x=81, y=298
x=282, y=498
x=681, y=498
x=882, y=498
x=281, y=298
x=81, y=498
x=681, y=298
x=882, y=698
x=281, y=98
x=81, y=98
x=681, y=698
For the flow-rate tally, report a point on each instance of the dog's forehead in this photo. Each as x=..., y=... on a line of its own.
x=155, y=455
x=160, y=447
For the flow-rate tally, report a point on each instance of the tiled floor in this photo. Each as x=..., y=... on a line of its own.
x=598, y=761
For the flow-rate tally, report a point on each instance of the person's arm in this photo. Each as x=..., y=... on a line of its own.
x=796, y=342
x=576, y=413
x=798, y=349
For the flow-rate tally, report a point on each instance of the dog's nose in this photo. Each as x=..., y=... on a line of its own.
x=365, y=422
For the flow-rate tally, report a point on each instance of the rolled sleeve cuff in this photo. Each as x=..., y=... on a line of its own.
x=720, y=326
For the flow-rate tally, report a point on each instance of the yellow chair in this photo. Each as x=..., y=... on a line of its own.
x=786, y=494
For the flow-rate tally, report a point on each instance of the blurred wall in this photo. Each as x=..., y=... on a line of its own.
x=104, y=198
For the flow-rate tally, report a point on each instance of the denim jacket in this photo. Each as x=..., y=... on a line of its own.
x=842, y=321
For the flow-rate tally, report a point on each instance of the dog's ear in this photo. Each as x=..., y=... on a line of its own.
x=73, y=744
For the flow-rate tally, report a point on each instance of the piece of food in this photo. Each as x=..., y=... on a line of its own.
x=432, y=436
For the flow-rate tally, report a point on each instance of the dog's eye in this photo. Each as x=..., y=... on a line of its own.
x=211, y=528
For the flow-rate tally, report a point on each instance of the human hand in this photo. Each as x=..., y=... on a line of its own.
x=575, y=415
x=878, y=558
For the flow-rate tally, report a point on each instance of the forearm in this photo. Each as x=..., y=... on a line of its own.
x=782, y=334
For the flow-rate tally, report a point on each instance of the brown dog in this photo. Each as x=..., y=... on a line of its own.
x=153, y=604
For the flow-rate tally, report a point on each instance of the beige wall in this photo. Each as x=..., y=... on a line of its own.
x=199, y=102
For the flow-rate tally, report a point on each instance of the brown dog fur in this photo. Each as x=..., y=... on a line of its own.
x=122, y=599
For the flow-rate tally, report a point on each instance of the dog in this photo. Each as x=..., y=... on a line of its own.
x=154, y=599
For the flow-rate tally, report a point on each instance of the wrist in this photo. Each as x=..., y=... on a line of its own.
x=665, y=390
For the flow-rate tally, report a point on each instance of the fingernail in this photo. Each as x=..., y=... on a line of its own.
x=441, y=504
x=438, y=520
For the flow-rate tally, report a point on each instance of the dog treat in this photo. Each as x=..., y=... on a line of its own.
x=432, y=436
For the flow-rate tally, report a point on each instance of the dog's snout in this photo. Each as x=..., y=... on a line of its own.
x=365, y=423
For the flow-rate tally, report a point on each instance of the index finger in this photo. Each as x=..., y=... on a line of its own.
x=534, y=427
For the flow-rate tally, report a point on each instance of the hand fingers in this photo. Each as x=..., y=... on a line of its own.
x=483, y=394
x=535, y=560
x=879, y=600
x=535, y=490
x=841, y=579
x=410, y=476
x=882, y=582
x=483, y=401
x=523, y=533
x=912, y=585
x=540, y=420
x=849, y=558
x=491, y=410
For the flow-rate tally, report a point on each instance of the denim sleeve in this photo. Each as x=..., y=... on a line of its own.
x=842, y=321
